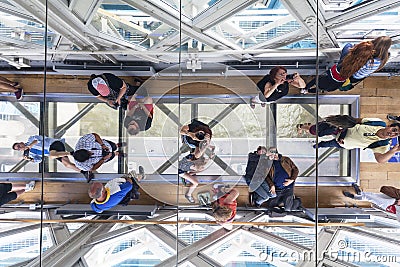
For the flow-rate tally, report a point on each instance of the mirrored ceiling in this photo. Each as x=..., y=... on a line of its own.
x=145, y=32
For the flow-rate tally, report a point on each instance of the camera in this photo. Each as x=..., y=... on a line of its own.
x=200, y=135
x=105, y=152
x=289, y=77
x=26, y=154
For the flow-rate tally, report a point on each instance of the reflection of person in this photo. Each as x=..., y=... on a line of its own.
x=388, y=199
x=197, y=135
x=113, y=192
x=362, y=133
x=275, y=85
x=54, y=148
x=355, y=63
x=278, y=184
x=224, y=208
x=281, y=178
x=111, y=89
x=187, y=167
x=139, y=116
x=377, y=61
x=91, y=152
x=12, y=87
x=9, y=192
x=256, y=169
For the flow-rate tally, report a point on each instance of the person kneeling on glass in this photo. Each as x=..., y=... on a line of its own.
x=278, y=184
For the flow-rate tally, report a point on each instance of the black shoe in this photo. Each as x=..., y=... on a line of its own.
x=356, y=188
x=348, y=194
x=251, y=199
x=392, y=117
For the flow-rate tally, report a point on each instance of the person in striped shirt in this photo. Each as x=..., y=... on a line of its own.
x=53, y=148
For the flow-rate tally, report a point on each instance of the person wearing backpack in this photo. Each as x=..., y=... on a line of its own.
x=278, y=179
x=361, y=133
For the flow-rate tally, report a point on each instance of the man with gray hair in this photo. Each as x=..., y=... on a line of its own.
x=114, y=191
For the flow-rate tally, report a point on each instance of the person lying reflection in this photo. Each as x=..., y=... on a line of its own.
x=53, y=148
x=187, y=168
x=362, y=133
x=388, y=199
x=140, y=115
x=197, y=135
x=224, y=208
x=91, y=151
x=111, y=89
x=275, y=85
x=118, y=191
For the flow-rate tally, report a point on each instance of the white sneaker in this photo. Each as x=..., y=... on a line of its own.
x=303, y=91
x=30, y=186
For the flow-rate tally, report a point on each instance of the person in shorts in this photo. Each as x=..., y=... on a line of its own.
x=53, y=148
x=10, y=192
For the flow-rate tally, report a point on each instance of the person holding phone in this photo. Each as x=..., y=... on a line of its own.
x=197, y=135
x=53, y=148
x=275, y=85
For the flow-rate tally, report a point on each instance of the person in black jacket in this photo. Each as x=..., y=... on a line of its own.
x=197, y=135
x=275, y=85
x=257, y=168
x=140, y=115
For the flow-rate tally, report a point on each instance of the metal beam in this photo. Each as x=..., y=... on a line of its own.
x=306, y=15
x=321, y=159
x=63, y=21
x=278, y=240
x=69, y=252
x=59, y=232
x=219, y=12
x=193, y=250
x=170, y=16
x=282, y=40
x=222, y=114
x=61, y=129
x=322, y=243
x=359, y=12
x=102, y=237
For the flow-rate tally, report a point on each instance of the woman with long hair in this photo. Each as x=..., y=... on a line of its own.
x=355, y=64
x=275, y=85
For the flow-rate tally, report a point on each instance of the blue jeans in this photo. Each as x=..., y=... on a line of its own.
x=262, y=193
x=330, y=143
